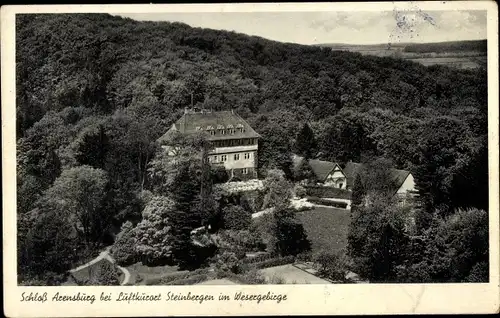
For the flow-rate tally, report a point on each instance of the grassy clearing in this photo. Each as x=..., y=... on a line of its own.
x=327, y=228
x=289, y=274
x=139, y=273
x=92, y=272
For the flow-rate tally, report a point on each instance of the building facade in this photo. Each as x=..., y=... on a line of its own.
x=234, y=142
x=328, y=174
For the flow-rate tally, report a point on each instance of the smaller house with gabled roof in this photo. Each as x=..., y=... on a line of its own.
x=403, y=179
x=327, y=173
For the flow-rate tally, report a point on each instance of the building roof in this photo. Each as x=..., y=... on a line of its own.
x=321, y=169
x=352, y=168
x=203, y=120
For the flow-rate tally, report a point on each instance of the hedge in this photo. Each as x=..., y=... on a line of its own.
x=328, y=192
x=258, y=258
x=278, y=261
x=332, y=203
x=163, y=280
x=249, y=278
x=195, y=279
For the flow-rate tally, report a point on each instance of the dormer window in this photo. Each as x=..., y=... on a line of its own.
x=221, y=130
x=211, y=130
x=199, y=128
x=239, y=128
x=230, y=129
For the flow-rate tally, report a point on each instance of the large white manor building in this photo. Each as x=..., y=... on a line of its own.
x=235, y=143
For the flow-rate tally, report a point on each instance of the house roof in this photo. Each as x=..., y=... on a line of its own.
x=191, y=122
x=352, y=168
x=321, y=169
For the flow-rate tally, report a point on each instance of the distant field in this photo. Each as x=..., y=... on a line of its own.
x=326, y=228
x=449, y=61
x=460, y=54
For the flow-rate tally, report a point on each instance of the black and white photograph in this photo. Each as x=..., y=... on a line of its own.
x=223, y=148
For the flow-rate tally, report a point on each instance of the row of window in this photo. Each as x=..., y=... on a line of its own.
x=243, y=171
x=222, y=130
x=236, y=157
x=235, y=142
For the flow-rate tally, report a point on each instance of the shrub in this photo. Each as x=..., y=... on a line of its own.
x=236, y=218
x=123, y=250
x=304, y=256
x=195, y=279
x=277, y=280
x=175, y=276
x=139, y=278
x=105, y=274
x=300, y=191
x=291, y=238
x=227, y=262
x=327, y=192
x=252, y=277
x=278, y=261
x=240, y=241
x=331, y=265
x=258, y=258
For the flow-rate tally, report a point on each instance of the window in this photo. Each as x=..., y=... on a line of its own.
x=244, y=171
x=247, y=155
x=340, y=185
x=239, y=127
x=223, y=158
x=222, y=132
x=214, y=159
x=212, y=132
x=236, y=156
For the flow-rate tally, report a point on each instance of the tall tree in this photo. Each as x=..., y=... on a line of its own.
x=305, y=142
x=377, y=240
x=154, y=233
x=184, y=218
x=78, y=194
x=304, y=172
x=278, y=190
x=291, y=238
x=48, y=248
x=358, y=191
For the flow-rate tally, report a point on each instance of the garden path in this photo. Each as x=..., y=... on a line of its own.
x=105, y=255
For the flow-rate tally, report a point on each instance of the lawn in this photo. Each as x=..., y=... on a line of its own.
x=140, y=274
x=289, y=274
x=326, y=228
x=90, y=272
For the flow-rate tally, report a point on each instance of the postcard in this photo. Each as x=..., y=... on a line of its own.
x=250, y=159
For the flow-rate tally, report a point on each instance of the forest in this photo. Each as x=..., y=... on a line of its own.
x=94, y=92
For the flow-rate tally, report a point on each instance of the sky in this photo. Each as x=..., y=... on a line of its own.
x=347, y=27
